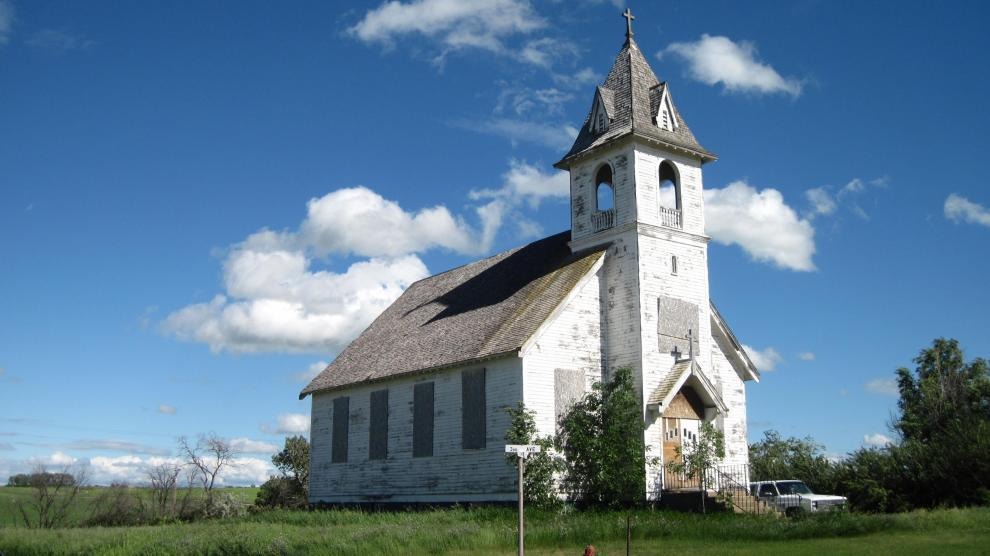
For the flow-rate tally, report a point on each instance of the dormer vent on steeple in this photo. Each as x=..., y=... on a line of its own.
x=601, y=112
x=663, y=113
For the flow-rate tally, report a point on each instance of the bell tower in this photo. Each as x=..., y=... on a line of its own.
x=636, y=188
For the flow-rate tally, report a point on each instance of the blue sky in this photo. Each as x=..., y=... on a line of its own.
x=199, y=203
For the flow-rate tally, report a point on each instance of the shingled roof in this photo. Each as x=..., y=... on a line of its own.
x=635, y=97
x=477, y=311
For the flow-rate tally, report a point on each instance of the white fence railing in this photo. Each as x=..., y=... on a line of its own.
x=603, y=219
x=670, y=218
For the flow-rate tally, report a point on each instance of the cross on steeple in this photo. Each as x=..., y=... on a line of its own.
x=629, y=18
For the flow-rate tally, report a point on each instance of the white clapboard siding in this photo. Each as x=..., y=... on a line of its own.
x=571, y=340
x=452, y=474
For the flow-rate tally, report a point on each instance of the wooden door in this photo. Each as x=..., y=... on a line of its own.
x=678, y=433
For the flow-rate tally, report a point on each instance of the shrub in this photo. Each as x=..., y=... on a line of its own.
x=871, y=479
x=280, y=492
x=291, y=489
x=602, y=441
x=225, y=505
x=118, y=506
x=539, y=475
x=792, y=458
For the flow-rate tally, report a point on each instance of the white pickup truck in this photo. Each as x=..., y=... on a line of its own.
x=793, y=496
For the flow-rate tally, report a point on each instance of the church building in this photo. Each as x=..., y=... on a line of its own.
x=414, y=409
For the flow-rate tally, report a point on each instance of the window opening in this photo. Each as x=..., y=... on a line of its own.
x=670, y=191
x=604, y=190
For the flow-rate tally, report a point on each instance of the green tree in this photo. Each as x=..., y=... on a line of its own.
x=602, y=441
x=291, y=489
x=944, y=424
x=701, y=458
x=943, y=391
x=774, y=458
x=872, y=480
x=293, y=462
x=541, y=469
x=943, y=454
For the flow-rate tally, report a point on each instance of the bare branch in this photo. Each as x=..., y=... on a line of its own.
x=209, y=456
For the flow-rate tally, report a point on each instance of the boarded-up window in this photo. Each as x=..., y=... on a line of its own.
x=473, y=410
x=568, y=387
x=341, y=414
x=677, y=321
x=378, y=430
x=423, y=420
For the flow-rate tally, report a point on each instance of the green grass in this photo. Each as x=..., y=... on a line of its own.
x=492, y=531
x=82, y=508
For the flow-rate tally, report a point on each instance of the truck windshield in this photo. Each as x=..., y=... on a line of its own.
x=793, y=487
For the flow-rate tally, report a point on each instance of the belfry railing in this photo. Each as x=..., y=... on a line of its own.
x=603, y=219
x=670, y=218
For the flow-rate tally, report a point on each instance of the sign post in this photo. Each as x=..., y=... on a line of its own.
x=522, y=451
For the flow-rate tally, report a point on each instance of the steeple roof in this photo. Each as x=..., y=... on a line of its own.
x=636, y=96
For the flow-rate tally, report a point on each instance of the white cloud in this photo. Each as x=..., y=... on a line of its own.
x=455, y=24
x=520, y=99
x=311, y=372
x=547, y=51
x=166, y=409
x=806, y=356
x=554, y=136
x=766, y=359
x=821, y=201
x=242, y=471
x=883, y=386
x=246, y=445
x=361, y=222
x=276, y=301
x=526, y=183
x=877, y=440
x=6, y=21
x=115, y=446
x=122, y=469
x=761, y=223
x=960, y=209
x=712, y=60
x=288, y=423
x=61, y=459
x=578, y=79
x=849, y=194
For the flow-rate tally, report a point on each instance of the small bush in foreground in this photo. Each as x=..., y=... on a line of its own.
x=602, y=441
x=538, y=478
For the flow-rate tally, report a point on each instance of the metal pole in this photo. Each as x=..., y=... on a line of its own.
x=628, y=531
x=522, y=465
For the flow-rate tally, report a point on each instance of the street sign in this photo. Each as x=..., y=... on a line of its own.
x=522, y=450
